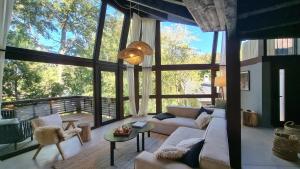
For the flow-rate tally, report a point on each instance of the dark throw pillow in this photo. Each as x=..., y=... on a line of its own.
x=191, y=157
x=163, y=116
x=202, y=109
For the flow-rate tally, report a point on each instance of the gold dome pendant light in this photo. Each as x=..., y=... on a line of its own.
x=144, y=47
x=132, y=56
x=135, y=51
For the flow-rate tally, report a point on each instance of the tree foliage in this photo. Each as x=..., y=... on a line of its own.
x=68, y=27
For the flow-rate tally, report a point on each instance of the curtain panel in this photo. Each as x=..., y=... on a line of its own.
x=134, y=36
x=6, y=8
x=148, y=36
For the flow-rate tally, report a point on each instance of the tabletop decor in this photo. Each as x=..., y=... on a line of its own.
x=123, y=131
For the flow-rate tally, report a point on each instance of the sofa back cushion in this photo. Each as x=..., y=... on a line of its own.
x=219, y=113
x=183, y=111
x=215, y=152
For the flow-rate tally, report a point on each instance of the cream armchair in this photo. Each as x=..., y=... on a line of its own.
x=49, y=130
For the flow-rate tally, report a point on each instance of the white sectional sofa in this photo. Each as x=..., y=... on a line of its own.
x=185, y=116
x=215, y=151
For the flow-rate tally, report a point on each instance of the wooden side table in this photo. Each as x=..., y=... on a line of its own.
x=250, y=118
x=85, y=133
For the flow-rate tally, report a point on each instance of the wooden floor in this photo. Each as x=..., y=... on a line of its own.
x=256, y=152
x=49, y=155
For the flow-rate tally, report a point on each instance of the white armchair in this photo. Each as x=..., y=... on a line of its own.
x=49, y=130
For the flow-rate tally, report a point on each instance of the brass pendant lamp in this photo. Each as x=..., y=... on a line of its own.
x=135, y=51
x=144, y=47
x=132, y=56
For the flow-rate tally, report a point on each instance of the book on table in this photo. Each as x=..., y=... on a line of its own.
x=139, y=124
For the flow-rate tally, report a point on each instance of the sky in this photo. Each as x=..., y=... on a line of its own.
x=203, y=43
x=204, y=40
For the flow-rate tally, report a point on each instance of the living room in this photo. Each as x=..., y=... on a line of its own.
x=148, y=84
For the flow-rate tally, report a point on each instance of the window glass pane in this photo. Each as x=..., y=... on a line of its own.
x=152, y=83
x=184, y=44
x=64, y=27
x=219, y=48
x=285, y=46
x=192, y=102
x=111, y=34
x=108, y=95
x=151, y=105
x=126, y=108
x=186, y=82
x=51, y=88
x=125, y=83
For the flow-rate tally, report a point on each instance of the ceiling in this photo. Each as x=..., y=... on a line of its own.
x=256, y=19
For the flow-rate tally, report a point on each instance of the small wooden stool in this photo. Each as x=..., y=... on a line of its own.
x=250, y=118
x=85, y=133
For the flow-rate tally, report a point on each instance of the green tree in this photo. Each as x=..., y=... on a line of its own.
x=60, y=26
x=19, y=81
x=111, y=35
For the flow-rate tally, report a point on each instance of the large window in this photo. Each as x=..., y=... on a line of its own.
x=111, y=34
x=285, y=46
x=32, y=80
x=190, y=102
x=108, y=95
x=64, y=27
x=186, y=82
x=152, y=83
x=183, y=44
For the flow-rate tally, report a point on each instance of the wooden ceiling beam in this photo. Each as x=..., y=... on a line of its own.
x=269, y=9
x=270, y=20
x=175, y=2
x=285, y=31
x=168, y=8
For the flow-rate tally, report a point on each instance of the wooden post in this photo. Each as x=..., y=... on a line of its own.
x=213, y=71
x=158, y=71
x=123, y=42
x=233, y=100
x=96, y=72
x=136, y=87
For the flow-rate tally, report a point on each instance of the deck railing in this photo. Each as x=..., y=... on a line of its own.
x=40, y=107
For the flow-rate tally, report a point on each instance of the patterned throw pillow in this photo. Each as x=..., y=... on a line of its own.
x=170, y=152
x=204, y=110
x=203, y=120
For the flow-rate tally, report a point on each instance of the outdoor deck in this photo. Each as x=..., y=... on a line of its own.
x=75, y=107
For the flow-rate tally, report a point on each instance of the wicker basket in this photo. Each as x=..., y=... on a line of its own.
x=291, y=128
x=285, y=145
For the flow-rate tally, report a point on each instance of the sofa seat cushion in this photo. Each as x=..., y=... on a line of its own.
x=147, y=160
x=182, y=133
x=13, y=121
x=168, y=126
x=215, y=152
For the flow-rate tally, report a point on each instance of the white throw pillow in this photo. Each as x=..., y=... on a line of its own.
x=170, y=152
x=188, y=143
x=203, y=120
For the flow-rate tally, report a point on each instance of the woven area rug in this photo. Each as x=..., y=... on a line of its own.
x=98, y=156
